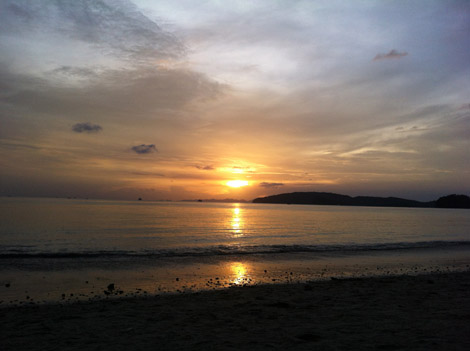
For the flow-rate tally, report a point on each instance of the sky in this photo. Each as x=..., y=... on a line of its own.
x=172, y=100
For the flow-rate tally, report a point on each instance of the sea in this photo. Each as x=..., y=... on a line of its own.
x=64, y=250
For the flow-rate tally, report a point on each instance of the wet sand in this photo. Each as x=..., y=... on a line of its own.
x=424, y=312
x=68, y=280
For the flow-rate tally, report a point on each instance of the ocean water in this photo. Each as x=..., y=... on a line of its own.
x=56, y=245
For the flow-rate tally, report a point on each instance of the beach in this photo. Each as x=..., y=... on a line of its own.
x=407, y=312
x=205, y=276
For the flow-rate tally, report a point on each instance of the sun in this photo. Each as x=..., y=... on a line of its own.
x=236, y=183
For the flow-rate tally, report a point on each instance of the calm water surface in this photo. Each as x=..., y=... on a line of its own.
x=59, y=250
x=58, y=226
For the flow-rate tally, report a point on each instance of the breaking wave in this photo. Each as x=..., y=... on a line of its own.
x=30, y=252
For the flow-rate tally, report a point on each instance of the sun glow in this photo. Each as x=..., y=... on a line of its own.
x=237, y=183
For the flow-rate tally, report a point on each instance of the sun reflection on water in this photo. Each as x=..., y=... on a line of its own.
x=236, y=222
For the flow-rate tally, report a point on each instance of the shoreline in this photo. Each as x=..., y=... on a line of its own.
x=419, y=312
x=67, y=283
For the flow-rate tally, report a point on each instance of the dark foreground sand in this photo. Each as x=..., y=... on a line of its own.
x=427, y=312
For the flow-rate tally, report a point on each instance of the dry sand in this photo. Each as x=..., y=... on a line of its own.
x=426, y=312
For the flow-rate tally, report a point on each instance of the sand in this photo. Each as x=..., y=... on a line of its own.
x=425, y=312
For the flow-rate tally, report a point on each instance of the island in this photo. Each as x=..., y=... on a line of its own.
x=323, y=198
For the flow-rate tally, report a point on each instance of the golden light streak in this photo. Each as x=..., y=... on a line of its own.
x=236, y=223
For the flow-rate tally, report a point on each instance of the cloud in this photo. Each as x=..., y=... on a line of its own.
x=113, y=94
x=393, y=54
x=147, y=174
x=86, y=128
x=270, y=185
x=116, y=27
x=240, y=169
x=144, y=149
x=205, y=168
x=70, y=71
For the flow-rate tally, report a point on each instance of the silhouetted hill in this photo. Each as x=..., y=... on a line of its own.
x=453, y=201
x=317, y=198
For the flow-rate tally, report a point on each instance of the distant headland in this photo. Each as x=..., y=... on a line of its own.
x=320, y=198
x=218, y=200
